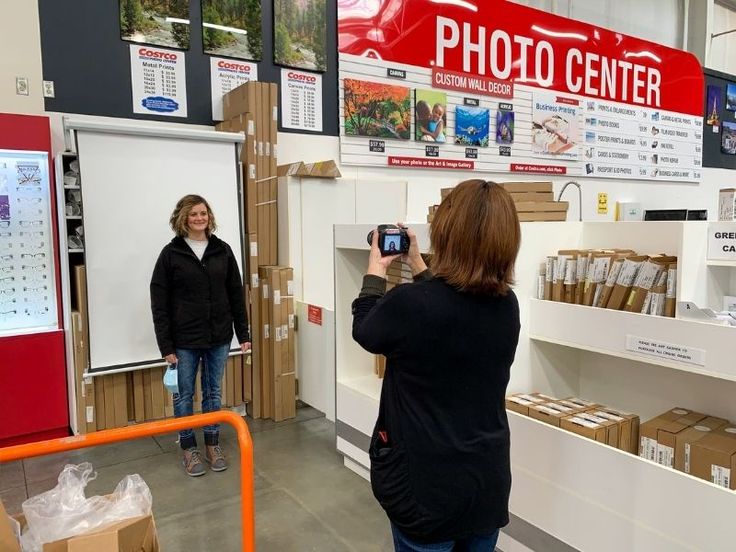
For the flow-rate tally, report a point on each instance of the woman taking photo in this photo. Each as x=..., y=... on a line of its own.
x=196, y=299
x=440, y=451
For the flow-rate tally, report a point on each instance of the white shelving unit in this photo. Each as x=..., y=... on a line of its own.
x=588, y=495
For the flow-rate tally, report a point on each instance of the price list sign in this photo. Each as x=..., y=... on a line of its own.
x=158, y=79
x=301, y=100
x=226, y=74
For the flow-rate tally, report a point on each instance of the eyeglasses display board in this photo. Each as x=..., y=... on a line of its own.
x=27, y=283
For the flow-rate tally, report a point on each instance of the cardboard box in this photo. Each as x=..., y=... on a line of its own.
x=713, y=457
x=552, y=413
x=320, y=169
x=541, y=206
x=266, y=342
x=379, y=367
x=625, y=281
x=273, y=89
x=239, y=100
x=543, y=217
x=521, y=402
x=692, y=435
x=628, y=428
x=518, y=197
x=134, y=534
x=672, y=421
x=727, y=204
x=560, y=272
x=254, y=408
x=585, y=427
x=604, y=291
x=516, y=187
x=671, y=295
x=444, y=192
x=646, y=279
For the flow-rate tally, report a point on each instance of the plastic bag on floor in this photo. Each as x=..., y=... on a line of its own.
x=65, y=511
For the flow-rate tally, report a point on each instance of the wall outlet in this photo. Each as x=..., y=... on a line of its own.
x=48, y=89
x=21, y=86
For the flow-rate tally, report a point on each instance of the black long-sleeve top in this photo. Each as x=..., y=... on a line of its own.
x=440, y=450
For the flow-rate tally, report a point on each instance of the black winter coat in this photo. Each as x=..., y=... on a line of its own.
x=196, y=303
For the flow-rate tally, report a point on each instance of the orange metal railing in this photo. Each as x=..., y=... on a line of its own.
x=149, y=429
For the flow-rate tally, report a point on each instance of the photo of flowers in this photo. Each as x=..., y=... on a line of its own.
x=472, y=126
x=731, y=97
x=300, y=34
x=232, y=28
x=430, y=116
x=505, y=127
x=377, y=110
x=713, y=106
x=157, y=22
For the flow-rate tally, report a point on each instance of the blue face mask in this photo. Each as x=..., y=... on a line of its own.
x=171, y=379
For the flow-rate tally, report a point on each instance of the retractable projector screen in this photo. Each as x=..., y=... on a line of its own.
x=130, y=185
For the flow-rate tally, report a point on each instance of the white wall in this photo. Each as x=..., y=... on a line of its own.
x=723, y=48
x=20, y=44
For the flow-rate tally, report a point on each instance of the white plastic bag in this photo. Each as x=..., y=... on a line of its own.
x=64, y=511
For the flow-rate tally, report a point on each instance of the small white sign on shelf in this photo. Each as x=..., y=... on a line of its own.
x=722, y=241
x=665, y=351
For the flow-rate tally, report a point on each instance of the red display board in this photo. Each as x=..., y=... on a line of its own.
x=494, y=86
x=33, y=387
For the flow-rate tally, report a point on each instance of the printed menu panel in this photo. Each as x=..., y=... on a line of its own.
x=27, y=283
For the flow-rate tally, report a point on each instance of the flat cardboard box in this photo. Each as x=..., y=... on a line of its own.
x=291, y=320
x=239, y=100
x=713, y=457
x=691, y=435
x=516, y=187
x=543, y=217
x=585, y=428
x=625, y=281
x=612, y=426
x=514, y=403
x=671, y=296
x=605, y=289
x=237, y=380
x=645, y=281
x=254, y=408
x=628, y=431
x=519, y=197
x=552, y=413
x=541, y=206
x=671, y=421
x=265, y=341
x=273, y=89
x=320, y=169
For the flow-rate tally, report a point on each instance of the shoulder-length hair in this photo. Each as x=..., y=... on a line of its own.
x=178, y=220
x=475, y=237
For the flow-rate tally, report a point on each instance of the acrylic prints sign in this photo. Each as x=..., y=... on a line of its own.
x=300, y=34
x=232, y=28
x=377, y=110
x=158, y=22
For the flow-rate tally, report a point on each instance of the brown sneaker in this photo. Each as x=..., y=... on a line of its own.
x=192, y=463
x=215, y=458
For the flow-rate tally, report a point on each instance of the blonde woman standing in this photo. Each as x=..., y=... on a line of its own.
x=196, y=300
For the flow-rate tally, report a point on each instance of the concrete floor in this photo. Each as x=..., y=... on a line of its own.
x=305, y=498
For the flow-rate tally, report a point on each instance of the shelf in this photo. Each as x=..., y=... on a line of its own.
x=74, y=217
x=731, y=264
x=605, y=331
x=571, y=487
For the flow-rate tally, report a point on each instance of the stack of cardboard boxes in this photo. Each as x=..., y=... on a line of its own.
x=270, y=380
x=534, y=202
x=594, y=421
x=694, y=443
x=617, y=279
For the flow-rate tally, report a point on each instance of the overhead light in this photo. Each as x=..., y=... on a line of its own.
x=458, y=3
x=644, y=54
x=557, y=34
x=224, y=28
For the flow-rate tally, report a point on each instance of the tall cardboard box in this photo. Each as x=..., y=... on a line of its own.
x=254, y=407
x=274, y=281
x=692, y=435
x=265, y=342
x=239, y=100
x=672, y=421
x=713, y=457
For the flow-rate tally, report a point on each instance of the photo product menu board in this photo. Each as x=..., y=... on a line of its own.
x=159, y=82
x=27, y=283
x=301, y=100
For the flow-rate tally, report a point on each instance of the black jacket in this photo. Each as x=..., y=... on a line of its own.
x=195, y=304
x=440, y=450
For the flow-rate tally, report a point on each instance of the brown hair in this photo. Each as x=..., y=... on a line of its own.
x=178, y=220
x=475, y=236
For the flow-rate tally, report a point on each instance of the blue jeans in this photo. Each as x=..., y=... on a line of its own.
x=213, y=367
x=480, y=543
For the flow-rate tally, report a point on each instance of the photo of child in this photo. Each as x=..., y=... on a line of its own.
x=430, y=123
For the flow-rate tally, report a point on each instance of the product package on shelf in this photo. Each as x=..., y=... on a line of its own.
x=586, y=426
x=713, y=457
x=596, y=274
x=684, y=441
x=625, y=280
x=727, y=204
x=553, y=412
x=672, y=421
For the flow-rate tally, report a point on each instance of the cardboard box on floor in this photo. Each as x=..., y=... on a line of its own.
x=134, y=534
